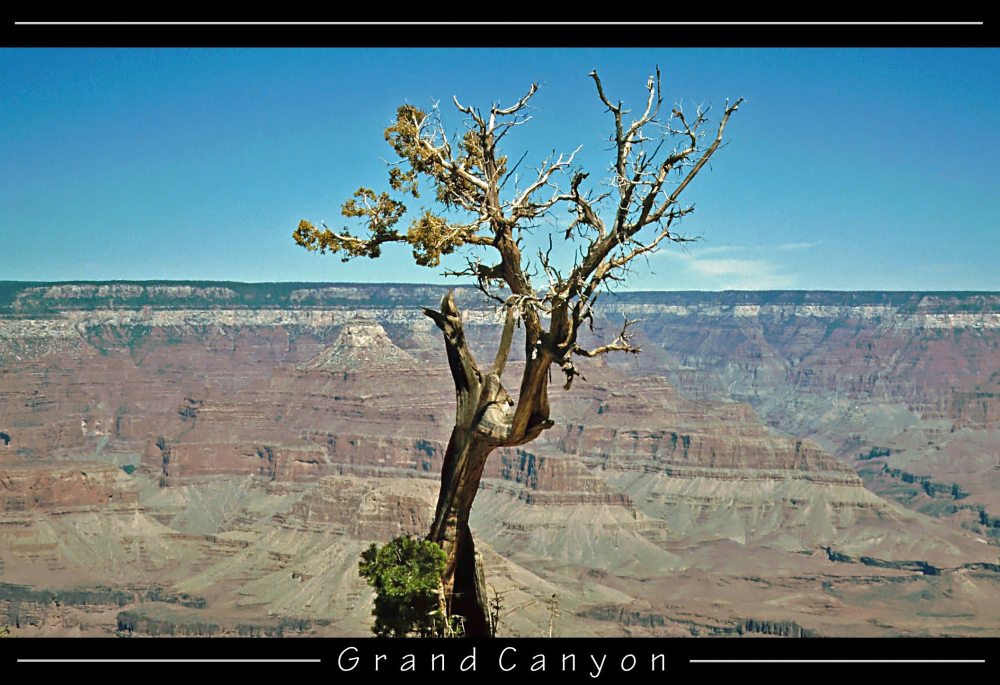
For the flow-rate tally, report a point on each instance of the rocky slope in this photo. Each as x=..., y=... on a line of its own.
x=902, y=386
x=241, y=443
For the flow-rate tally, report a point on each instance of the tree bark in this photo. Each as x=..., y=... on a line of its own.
x=484, y=420
x=464, y=595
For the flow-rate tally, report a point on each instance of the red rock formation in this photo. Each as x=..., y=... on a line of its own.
x=266, y=436
x=63, y=487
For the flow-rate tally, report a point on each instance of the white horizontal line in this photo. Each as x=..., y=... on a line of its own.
x=169, y=661
x=498, y=23
x=837, y=661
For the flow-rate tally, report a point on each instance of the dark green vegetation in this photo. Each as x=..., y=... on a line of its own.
x=168, y=625
x=20, y=603
x=406, y=575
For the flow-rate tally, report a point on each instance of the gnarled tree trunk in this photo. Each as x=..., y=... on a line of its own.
x=468, y=177
x=484, y=420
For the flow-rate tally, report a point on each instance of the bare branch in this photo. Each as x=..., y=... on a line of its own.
x=486, y=277
x=521, y=207
x=649, y=114
x=464, y=370
x=520, y=104
x=469, y=111
x=505, y=340
x=619, y=138
x=621, y=344
x=597, y=266
x=513, y=170
x=706, y=155
x=600, y=93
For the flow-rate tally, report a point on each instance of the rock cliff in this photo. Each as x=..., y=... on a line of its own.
x=241, y=443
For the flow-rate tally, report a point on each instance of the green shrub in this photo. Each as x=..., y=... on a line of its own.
x=406, y=575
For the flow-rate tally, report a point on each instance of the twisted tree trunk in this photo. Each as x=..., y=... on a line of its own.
x=484, y=420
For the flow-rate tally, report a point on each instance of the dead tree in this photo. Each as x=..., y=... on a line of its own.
x=483, y=209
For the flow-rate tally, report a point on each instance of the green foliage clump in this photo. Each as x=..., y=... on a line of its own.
x=424, y=153
x=406, y=574
x=129, y=469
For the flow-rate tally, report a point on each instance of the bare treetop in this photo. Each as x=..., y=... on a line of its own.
x=482, y=208
x=655, y=158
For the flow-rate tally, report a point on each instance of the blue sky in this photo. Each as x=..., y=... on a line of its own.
x=847, y=169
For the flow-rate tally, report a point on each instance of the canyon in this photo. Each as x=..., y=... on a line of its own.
x=211, y=459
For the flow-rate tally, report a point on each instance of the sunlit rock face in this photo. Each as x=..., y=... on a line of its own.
x=362, y=344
